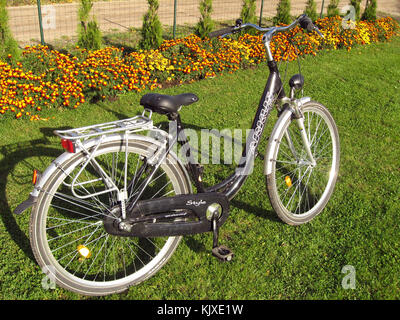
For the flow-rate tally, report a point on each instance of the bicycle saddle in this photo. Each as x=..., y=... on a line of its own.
x=165, y=104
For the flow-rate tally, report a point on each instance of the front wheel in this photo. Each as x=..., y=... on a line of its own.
x=298, y=188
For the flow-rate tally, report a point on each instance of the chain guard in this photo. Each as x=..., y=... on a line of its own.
x=171, y=216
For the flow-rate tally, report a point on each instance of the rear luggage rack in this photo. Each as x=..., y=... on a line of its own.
x=137, y=123
x=75, y=137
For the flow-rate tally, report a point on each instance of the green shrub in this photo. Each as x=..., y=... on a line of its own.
x=370, y=11
x=311, y=10
x=8, y=46
x=205, y=25
x=89, y=34
x=333, y=8
x=283, y=12
x=248, y=13
x=151, y=29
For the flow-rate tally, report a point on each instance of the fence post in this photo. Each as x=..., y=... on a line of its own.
x=174, y=32
x=261, y=12
x=322, y=9
x=40, y=22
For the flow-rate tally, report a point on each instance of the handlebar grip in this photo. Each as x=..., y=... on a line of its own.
x=221, y=32
x=306, y=23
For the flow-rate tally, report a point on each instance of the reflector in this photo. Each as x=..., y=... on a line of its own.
x=288, y=181
x=68, y=145
x=84, y=251
x=34, y=176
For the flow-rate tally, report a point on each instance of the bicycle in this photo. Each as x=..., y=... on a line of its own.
x=111, y=210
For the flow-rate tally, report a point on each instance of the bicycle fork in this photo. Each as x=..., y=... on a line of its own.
x=305, y=140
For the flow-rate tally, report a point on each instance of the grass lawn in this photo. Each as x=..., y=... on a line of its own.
x=359, y=227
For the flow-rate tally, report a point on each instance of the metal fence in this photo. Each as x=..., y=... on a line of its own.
x=118, y=19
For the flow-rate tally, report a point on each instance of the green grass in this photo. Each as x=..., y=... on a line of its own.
x=359, y=227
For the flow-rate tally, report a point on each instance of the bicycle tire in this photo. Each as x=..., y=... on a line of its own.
x=39, y=230
x=286, y=175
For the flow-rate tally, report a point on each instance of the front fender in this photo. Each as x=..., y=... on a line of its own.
x=273, y=141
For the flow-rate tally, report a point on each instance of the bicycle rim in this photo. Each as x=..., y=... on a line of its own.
x=298, y=190
x=67, y=231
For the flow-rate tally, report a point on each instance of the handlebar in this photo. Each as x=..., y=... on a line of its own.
x=304, y=21
x=221, y=32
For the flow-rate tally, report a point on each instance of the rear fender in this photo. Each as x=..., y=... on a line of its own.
x=33, y=196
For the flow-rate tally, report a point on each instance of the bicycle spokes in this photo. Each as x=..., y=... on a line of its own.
x=304, y=163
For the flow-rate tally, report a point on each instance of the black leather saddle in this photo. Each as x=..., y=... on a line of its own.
x=165, y=104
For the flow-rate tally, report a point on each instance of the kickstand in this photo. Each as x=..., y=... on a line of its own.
x=221, y=252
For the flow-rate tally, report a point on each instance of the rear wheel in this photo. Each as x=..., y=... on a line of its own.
x=67, y=234
x=299, y=190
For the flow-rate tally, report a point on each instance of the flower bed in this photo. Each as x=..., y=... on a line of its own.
x=47, y=78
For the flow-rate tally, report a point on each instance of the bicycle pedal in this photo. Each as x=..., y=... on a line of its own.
x=223, y=253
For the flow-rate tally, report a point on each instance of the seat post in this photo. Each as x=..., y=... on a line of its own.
x=174, y=116
x=195, y=169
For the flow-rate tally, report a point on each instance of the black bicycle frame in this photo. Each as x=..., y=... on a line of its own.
x=220, y=193
x=232, y=184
